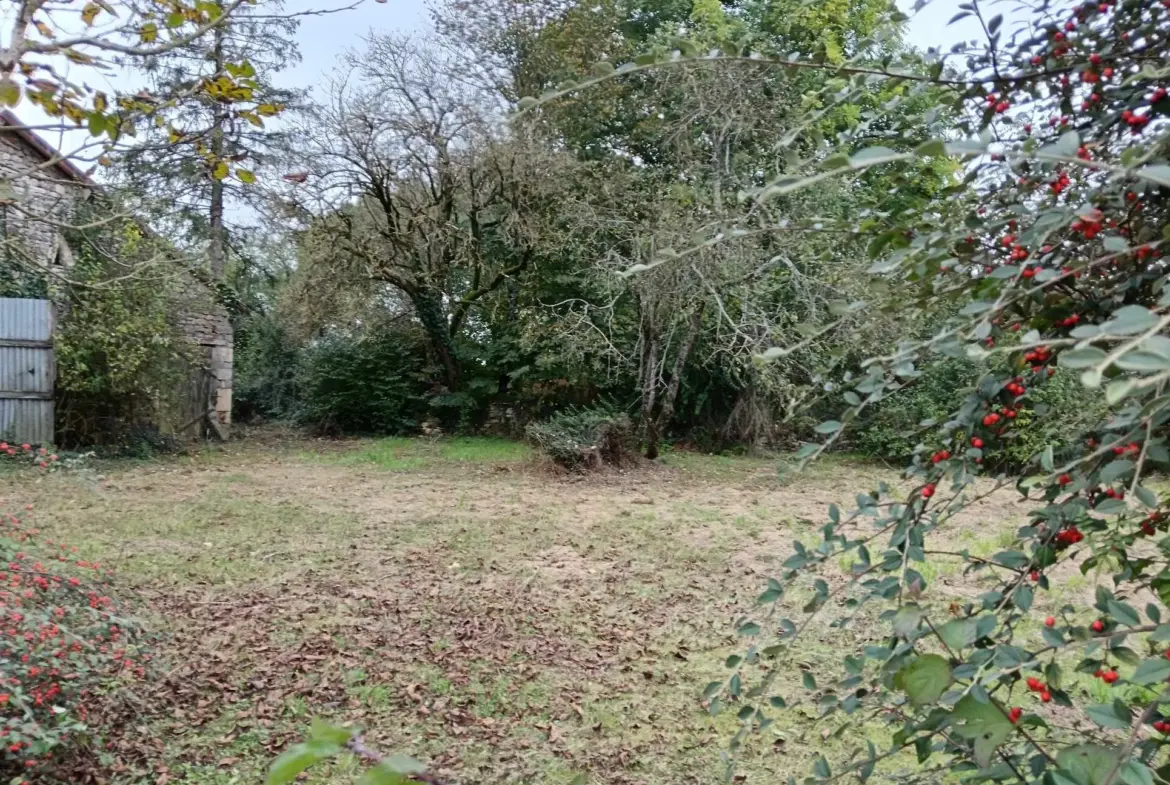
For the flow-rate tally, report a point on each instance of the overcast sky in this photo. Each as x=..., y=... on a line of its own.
x=323, y=39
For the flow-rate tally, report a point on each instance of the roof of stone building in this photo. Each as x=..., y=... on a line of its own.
x=10, y=123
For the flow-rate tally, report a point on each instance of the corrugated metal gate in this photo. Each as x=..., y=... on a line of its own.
x=27, y=370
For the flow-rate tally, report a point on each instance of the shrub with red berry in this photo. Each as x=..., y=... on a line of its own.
x=65, y=649
x=40, y=458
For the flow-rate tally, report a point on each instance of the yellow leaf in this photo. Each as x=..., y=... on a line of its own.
x=245, y=175
x=268, y=110
x=149, y=32
x=89, y=13
x=99, y=102
x=44, y=29
x=79, y=57
x=220, y=171
x=9, y=92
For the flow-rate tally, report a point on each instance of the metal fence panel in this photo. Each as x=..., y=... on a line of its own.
x=27, y=371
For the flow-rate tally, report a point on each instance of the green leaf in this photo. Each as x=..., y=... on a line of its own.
x=1130, y=319
x=1115, y=470
x=1087, y=764
x=828, y=426
x=1158, y=173
x=933, y=147
x=1082, y=357
x=906, y=620
x=925, y=679
x=1143, y=362
x=821, y=767
x=872, y=156
x=1123, y=613
x=298, y=758
x=527, y=102
x=959, y=633
x=1107, y=716
x=1023, y=597
x=1114, y=244
x=750, y=628
x=381, y=775
x=392, y=770
x=984, y=723
x=1151, y=671
x=1162, y=633
x=1135, y=773
x=808, y=681
x=603, y=68
x=96, y=123
x=320, y=730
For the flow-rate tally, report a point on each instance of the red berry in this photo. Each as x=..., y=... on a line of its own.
x=1098, y=625
x=1034, y=575
x=977, y=443
x=1064, y=479
x=1034, y=684
x=928, y=490
x=1014, y=714
x=1050, y=621
x=1046, y=696
x=1109, y=677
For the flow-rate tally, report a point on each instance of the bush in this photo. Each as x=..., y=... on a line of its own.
x=370, y=384
x=584, y=438
x=266, y=364
x=121, y=359
x=1053, y=413
x=65, y=648
x=893, y=429
x=1057, y=415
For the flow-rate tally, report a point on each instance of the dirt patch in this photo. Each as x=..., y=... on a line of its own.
x=561, y=565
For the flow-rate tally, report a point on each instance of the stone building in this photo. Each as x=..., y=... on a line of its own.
x=39, y=189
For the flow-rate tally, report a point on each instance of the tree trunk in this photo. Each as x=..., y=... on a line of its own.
x=428, y=306
x=670, y=395
x=216, y=252
x=649, y=390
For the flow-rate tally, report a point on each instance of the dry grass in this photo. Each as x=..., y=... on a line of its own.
x=461, y=604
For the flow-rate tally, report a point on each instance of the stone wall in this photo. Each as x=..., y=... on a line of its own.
x=29, y=185
x=37, y=190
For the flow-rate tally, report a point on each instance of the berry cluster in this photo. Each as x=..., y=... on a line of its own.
x=1035, y=685
x=62, y=645
x=41, y=457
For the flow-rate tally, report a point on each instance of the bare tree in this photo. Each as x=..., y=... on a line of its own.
x=416, y=185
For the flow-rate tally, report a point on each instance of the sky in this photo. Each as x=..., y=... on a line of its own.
x=322, y=39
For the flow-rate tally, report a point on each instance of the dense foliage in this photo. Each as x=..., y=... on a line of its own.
x=66, y=652
x=121, y=360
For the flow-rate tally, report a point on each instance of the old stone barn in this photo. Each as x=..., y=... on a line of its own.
x=40, y=191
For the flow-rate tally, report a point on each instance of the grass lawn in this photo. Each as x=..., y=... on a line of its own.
x=460, y=602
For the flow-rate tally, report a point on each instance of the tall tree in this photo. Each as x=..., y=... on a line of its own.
x=419, y=196
x=198, y=162
x=96, y=37
x=684, y=142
